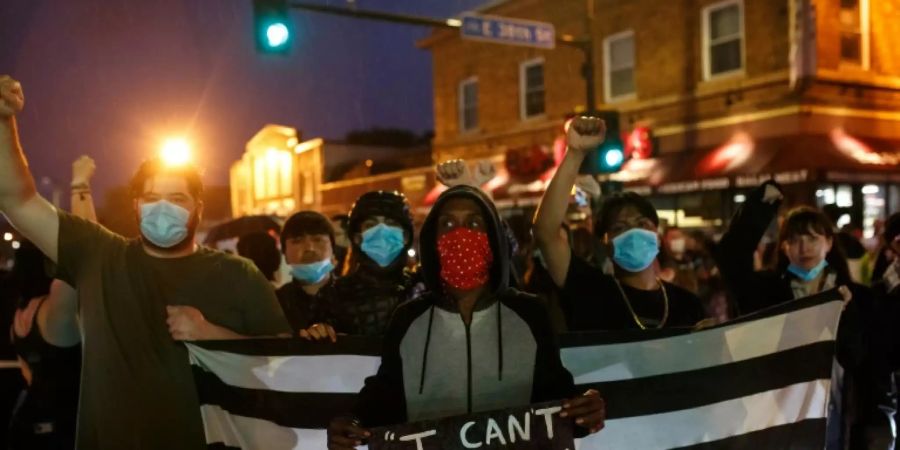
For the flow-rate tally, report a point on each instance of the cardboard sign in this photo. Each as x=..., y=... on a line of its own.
x=534, y=427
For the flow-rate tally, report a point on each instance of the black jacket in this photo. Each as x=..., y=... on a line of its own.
x=365, y=299
x=433, y=365
x=887, y=304
x=303, y=310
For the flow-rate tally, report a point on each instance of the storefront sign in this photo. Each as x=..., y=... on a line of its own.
x=863, y=177
x=413, y=183
x=640, y=190
x=535, y=427
x=677, y=188
x=714, y=184
x=749, y=181
x=711, y=184
x=796, y=176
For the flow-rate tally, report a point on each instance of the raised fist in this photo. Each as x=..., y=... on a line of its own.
x=454, y=173
x=585, y=133
x=12, y=99
x=484, y=172
x=82, y=170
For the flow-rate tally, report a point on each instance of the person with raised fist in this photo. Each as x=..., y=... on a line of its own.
x=138, y=297
x=634, y=297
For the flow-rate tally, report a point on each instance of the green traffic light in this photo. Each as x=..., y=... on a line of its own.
x=277, y=35
x=613, y=157
x=272, y=25
x=609, y=157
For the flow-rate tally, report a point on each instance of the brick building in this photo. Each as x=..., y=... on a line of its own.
x=279, y=173
x=806, y=91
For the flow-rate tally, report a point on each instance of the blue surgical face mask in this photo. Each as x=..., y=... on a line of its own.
x=635, y=249
x=808, y=275
x=383, y=243
x=164, y=224
x=312, y=273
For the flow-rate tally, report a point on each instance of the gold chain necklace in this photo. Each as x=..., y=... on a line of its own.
x=637, y=319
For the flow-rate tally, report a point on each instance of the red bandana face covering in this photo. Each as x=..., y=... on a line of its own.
x=465, y=257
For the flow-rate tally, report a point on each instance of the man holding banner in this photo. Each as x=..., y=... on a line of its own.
x=471, y=343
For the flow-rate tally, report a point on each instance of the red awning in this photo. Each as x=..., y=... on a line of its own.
x=743, y=160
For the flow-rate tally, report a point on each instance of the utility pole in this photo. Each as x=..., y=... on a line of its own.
x=586, y=45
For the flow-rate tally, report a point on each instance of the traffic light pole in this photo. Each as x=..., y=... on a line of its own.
x=377, y=15
x=586, y=44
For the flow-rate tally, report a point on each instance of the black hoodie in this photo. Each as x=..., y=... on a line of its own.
x=433, y=365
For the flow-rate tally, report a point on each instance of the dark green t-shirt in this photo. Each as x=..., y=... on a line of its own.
x=137, y=389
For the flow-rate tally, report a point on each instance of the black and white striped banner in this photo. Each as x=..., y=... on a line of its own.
x=760, y=382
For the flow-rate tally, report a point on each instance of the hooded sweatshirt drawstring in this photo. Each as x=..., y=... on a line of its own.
x=499, y=246
x=425, y=353
x=499, y=343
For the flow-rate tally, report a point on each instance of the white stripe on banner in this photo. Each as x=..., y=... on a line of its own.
x=10, y=364
x=703, y=349
x=257, y=433
x=336, y=374
x=713, y=422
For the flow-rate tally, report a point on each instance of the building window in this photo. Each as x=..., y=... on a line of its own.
x=468, y=104
x=272, y=174
x=531, y=88
x=618, y=63
x=854, y=18
x=723, y=38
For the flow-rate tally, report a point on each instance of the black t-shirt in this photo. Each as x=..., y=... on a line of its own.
x=592, y=301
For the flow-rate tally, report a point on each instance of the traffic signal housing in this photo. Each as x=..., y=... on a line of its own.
x=611, y=155
x=272, y=26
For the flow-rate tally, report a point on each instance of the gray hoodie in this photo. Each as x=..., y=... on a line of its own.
x=434, y=365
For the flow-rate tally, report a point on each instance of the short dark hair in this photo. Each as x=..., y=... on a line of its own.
x=807, y=220
x=155, y=166
x=615, y=203
x=892, y=228
x=261, y=248
x=305, y=223
x=390, y=204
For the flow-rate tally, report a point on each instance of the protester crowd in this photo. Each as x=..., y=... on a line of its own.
x=96, y=319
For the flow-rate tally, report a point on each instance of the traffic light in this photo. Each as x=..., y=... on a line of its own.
x=272, y=26
x=611, y=155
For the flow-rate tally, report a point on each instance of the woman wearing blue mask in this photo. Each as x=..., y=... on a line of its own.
x=375, y=278
x=809, y=262
x=307, y=241
x=634, y=297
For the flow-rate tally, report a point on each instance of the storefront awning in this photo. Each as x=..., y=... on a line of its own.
x=745, y=162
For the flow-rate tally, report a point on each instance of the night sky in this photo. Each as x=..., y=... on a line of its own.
x=112, y=78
